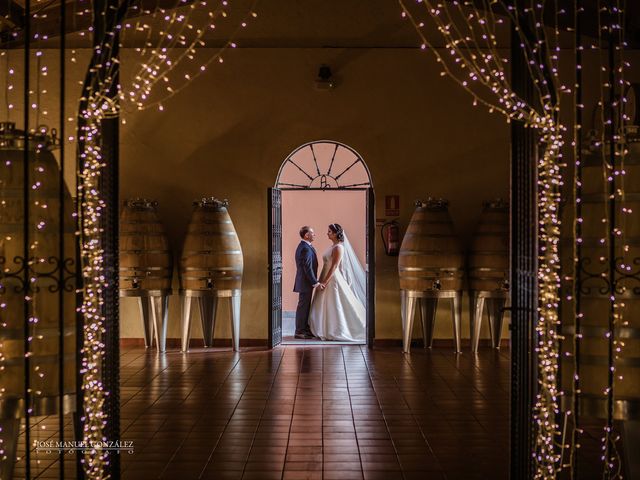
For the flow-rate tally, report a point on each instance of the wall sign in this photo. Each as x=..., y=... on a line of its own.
x=392, y=205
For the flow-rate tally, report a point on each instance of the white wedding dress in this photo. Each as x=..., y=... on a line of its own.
x=338, y=311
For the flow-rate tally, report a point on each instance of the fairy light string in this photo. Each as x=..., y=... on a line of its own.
x=471, y=58
x=175, y=47
x=611, y=148
x=615, y=224
x=575, y=295
x=611, y=139
x=39, y=261
x=479, y=68
x=91, y=206
x=97, y=104
x=161, y=62
x=173, y=41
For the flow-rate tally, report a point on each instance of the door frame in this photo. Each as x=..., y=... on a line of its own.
x=274, y=215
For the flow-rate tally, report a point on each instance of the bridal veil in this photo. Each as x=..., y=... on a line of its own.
x=353, y=272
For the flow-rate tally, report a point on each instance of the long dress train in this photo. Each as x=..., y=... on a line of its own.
x=336, y=312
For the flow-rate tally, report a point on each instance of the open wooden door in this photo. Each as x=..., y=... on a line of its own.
x=274, y=200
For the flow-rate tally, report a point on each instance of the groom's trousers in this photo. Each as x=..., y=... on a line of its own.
x=302, y=312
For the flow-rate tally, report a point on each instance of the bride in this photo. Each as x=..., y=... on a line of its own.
x=338, y=311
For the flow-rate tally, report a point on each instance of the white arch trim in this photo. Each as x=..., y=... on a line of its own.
x=330, y=165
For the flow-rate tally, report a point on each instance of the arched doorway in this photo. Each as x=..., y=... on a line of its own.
x=318, y=167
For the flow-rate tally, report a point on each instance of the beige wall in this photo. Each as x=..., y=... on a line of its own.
x=229, y=131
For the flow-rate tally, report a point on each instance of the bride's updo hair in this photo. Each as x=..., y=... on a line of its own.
x=338, y=230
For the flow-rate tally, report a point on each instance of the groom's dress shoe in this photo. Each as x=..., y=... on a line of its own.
x=304, y=336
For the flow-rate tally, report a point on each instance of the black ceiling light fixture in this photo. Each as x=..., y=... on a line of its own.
x=325, y=80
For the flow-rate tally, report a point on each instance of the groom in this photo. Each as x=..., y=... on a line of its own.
x=306, y=280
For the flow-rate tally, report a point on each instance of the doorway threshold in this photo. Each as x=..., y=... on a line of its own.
x=312, y=341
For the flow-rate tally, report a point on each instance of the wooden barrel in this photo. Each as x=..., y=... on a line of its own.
x=489, y=254
x=595, y=298
x=45, y=267
x=212, y=256
x=431, y=256
x=145, y=258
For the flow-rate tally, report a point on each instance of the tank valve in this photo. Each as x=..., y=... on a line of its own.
x=135, y=283
x=209, y=282
x=436, y=284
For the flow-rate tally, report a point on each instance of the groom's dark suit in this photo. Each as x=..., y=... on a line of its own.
x=306, y=278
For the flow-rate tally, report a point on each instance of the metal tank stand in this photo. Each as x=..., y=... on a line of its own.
x=154, y=313
x=207, y=304
x=428, y=301
x=495, y=301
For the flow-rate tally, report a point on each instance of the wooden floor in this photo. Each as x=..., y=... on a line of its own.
x=313, y=412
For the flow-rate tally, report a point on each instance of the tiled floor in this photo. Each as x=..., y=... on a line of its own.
x=305, y=412
x=332, y=412
x=289, y=329
x=311, y=412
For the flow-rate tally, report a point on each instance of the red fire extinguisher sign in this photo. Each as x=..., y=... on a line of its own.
x=392, y=205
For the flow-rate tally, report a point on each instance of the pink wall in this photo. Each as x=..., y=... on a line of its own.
x=318, y=209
